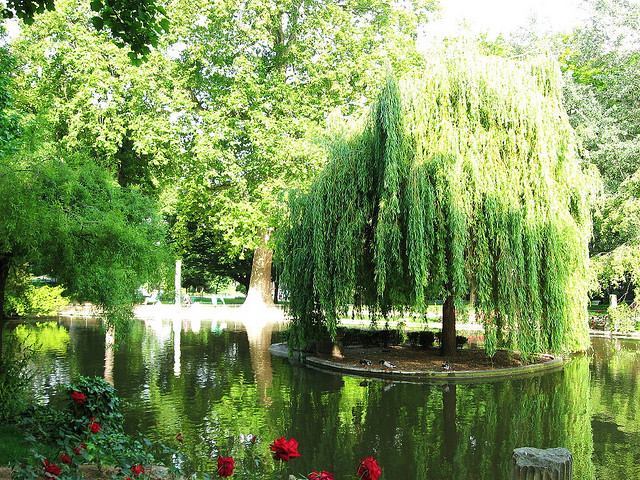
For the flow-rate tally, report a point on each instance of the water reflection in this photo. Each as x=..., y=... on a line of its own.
x=259, y=335
x=109, y=345
x=177, y=328
x=212, y=379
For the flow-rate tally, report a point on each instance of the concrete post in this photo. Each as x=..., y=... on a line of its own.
x=613, y=300
x=538, y=464
x=178, y=283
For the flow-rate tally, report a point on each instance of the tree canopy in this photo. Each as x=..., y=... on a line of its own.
x=461, y=182
x=136, y=23
x=263, y=76
x=602, y=61
x=68, y=212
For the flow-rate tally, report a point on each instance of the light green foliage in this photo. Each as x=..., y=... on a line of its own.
x=79, y=182
x=263, y=76
x=602, y=61
x=37, y=301
x=70, y=219
x=464, y=179
x=623, y=318
x=94, y=101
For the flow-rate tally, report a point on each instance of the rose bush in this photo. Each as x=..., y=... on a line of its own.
x=88, y=429
x=323, y=475
x=282, y=450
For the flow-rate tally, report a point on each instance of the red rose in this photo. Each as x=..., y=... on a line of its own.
x=79, y=448
x=226, y=466
x=320, y=475
x=94, y=426
x=284, y=449
x=78, y=397
x=64, y=458
x=51, y=469
x=137, y=470
x=369, y=469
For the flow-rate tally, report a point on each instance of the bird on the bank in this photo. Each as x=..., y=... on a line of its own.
x=179, y=437
x=446, y=366
x=365, y=362
x=387, y=364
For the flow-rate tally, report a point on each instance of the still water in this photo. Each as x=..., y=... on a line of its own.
x=215, y=379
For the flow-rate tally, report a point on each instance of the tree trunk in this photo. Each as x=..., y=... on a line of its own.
x=259, y=293
x=5, y=261
x=276, y=288
x=448, y=338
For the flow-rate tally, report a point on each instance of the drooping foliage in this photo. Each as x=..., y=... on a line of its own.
x=463, y=183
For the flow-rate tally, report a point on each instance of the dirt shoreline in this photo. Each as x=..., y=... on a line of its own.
x=406, y=358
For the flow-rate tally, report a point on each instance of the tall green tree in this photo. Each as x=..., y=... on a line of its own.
x=602, y=62
x=460, y=183
x=78, y=200
x=263, y=76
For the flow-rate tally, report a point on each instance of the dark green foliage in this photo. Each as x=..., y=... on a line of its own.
x=51, y=431
x=464, y=181
x=369, y=338
x=15, y=379
x=102, y=401
x=136, y=23
x=423, y=339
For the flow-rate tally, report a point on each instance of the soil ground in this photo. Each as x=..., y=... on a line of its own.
x=408, y=358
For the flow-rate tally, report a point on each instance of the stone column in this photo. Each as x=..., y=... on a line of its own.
x=537, y=464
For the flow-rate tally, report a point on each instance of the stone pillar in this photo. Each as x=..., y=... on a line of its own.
x=613, y=300
x=178, y=283
x=537, y=464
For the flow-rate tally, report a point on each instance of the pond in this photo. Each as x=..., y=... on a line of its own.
x=210, y=379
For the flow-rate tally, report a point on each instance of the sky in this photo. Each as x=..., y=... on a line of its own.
x=495, y=17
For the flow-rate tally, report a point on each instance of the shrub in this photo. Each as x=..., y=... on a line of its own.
x=424, y=339
x=623, y=318
x=89, y=429
x=15, y=379
x=37, y=301
x=461, y=340
x=369, y=338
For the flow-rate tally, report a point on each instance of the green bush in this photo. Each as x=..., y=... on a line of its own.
x=623, y=318
x=424, y=339
x=36, y=301
x=15, y=379
x=369, y=338
x=88, y=429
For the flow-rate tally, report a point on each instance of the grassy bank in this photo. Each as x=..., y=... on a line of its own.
x=13, y=447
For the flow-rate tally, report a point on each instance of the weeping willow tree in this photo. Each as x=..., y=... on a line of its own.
x=462, y=184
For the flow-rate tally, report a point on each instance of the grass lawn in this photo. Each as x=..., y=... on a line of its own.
x=12, y=444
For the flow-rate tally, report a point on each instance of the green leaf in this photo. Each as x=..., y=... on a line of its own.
x=98, y=23
x=96, y=5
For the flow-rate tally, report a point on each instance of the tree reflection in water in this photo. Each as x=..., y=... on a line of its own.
x=218, y=381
